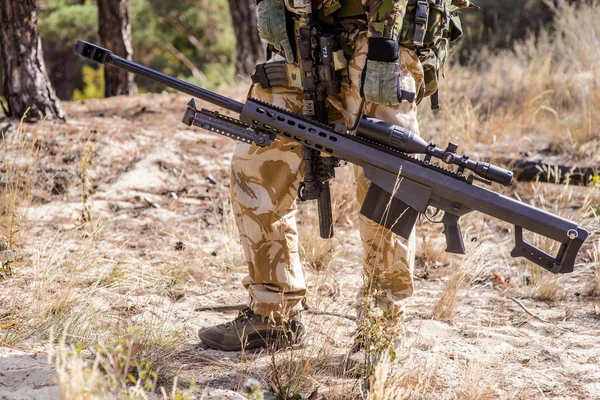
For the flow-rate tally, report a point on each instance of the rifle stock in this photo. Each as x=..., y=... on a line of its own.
x=403, y=186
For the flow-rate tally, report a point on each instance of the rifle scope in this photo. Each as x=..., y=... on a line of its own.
x=407, y=141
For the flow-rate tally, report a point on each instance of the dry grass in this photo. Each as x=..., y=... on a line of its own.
x=113, y=295
x=108, y=371
x=16, y=177
x=478, y=382
x=548, y=288
x=545, y=88
x=448, y=303
x=403, y=380
x=594, y=285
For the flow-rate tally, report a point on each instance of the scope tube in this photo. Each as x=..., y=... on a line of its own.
x=406, y=141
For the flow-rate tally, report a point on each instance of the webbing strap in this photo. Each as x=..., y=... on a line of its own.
x=421, y=18
x=435, y=101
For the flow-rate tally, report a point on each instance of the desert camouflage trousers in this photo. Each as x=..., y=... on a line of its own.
x=264, y=184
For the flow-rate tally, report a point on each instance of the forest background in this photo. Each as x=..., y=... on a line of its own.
x=194, y=39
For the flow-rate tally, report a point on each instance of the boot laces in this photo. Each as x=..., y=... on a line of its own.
x=244, y=315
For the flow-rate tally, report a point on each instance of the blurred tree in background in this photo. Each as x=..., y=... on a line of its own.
x=195, y=39
x=114, y=30
x=190, y=39
x=500, y=23
x=25, y=82
x=249, y=49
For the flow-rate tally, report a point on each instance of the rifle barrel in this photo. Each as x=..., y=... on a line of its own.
x=103, y=56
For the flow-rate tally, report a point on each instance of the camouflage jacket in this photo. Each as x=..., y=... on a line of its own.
x=384, y=17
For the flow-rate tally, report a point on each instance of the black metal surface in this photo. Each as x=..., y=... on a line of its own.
x=446, y=186
x=406, y=141
x=379, y=206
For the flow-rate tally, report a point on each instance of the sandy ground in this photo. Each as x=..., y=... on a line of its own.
x=163, y=245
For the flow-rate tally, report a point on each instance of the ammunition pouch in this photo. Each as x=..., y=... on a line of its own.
x=277, y=73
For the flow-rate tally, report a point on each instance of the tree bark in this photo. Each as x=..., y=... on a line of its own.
x=25, y=82
x=250, y=50
x=114, y=30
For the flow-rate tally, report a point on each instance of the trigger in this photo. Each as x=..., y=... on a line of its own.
x=454, y=239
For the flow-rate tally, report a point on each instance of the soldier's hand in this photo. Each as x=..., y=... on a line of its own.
x=272, y=26
x=382, y=78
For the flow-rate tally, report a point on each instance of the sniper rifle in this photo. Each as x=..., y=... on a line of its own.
x=403, y=185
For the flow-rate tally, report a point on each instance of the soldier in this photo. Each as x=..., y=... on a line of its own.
x=264, y=181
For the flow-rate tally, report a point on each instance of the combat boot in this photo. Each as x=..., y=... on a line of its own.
x=251, y=331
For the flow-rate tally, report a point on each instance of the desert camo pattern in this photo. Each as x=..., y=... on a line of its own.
x=264, y=183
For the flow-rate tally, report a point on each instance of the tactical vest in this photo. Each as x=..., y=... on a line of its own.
x=335, y=10
x=428, y=27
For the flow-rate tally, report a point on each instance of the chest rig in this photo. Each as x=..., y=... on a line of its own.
x=331, y=21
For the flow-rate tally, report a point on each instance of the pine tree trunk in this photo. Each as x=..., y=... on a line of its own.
x=25, y=82
x=114, y=30
x=250, y=50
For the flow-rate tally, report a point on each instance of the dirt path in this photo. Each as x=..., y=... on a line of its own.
x=163, y=243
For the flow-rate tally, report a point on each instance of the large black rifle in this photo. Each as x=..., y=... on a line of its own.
x=403, y=186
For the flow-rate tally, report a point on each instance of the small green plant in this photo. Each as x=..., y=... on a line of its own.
x=111, y=369
x=86, y=162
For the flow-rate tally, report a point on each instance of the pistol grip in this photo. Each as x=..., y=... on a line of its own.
x=454, y=239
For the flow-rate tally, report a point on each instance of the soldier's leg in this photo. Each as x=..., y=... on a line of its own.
x=264, y=183
x=388, y=259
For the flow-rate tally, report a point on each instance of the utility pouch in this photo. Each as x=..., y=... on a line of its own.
x=425, y=23
x=431, y=71
x=277, y=73
x=273, y=27
x=428, y=27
